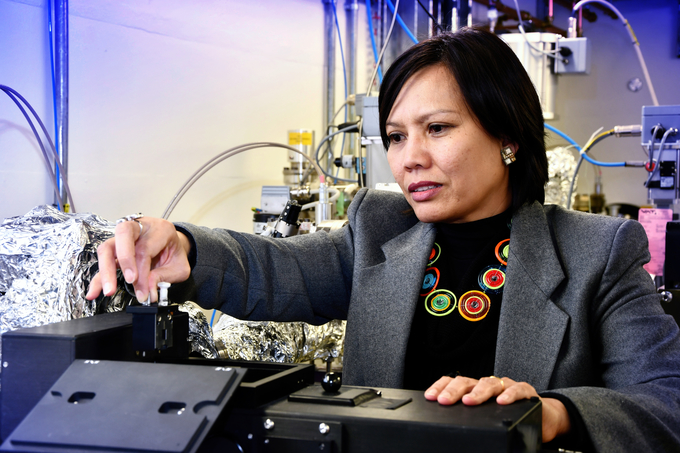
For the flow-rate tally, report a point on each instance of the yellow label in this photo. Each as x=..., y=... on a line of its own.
x=307, y=138
x=294, y=138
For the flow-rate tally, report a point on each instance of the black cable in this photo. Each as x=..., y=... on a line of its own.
x=317, y=157
x=431, y=17
x=48, y=164
x=9, y=90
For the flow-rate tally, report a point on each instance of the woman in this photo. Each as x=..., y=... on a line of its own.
x=466, y=276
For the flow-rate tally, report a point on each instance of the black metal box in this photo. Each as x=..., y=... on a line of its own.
x=399, y=420
x=34, y=358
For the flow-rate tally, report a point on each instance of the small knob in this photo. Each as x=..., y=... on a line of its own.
x=324, y=428
x=331, y=382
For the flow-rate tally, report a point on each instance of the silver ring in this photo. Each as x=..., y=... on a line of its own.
x=133, y=218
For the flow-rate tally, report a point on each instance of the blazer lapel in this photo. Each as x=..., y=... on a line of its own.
x=383, y=322
x=531, y=327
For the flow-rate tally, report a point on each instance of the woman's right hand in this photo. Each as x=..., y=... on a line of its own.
x=154, y=253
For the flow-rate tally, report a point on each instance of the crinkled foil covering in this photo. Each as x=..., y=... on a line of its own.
x=200, y=333
x=290, y=342
x=47, y=259
x=561, y=167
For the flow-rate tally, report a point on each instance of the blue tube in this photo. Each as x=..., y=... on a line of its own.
x=369, y=13
x=585, y=156
x=54, y=94
x=603, y=164
x=563, y=135
x=212, y=318
x=402, y=24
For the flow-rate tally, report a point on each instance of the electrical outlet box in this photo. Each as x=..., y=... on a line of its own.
x=578, y=61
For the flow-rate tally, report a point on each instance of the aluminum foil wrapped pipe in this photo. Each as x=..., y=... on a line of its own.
x=48, y=258
x=200, y=333
x=561, y=167
x=289, y=342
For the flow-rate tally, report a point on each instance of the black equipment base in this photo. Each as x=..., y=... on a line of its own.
x=126, y=407
x=398, y=420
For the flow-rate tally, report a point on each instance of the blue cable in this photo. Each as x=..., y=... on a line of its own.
x=54, y=93
x=369, y=13
x=585, y=156
x=401, y=23
x=212, y=318
x=563, y=135
x=603, y=164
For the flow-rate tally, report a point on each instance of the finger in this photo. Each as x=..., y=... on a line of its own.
x=160, y=256
x=487, y=387
x=127, y=234
x=450, y=390
x=516, y=391
x=143, y=286
x=95, y=288
x=435, y=389
x=106, y=278
x=171, y=266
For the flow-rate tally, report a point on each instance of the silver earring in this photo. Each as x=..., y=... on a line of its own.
x=507, y=155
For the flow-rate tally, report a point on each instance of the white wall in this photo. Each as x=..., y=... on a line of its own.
x=157, y=88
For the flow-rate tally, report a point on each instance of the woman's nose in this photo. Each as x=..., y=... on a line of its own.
x=416, y=153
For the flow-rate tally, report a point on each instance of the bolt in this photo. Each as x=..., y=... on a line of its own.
x=324, y=428
x=666, y=296
x=269, y=424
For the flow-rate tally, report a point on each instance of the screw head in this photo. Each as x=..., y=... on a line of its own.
x=666, y=296
x=324, y=428
x=269, y=424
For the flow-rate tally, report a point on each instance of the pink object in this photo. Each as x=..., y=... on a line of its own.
x=654, y=221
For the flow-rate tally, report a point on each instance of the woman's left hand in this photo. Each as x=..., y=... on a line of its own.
x=472, y=392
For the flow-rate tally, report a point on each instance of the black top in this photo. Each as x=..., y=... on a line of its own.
x=455, y=325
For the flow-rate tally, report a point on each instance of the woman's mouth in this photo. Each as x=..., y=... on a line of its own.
x=423, y=191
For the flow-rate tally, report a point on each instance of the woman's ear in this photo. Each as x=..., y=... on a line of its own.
x=508, y=151
x=513, y=146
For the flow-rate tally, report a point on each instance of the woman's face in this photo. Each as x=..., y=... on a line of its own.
x=449, y=168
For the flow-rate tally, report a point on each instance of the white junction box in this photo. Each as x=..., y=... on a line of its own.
x=577, y=59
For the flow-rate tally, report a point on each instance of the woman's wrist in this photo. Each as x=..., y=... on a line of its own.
x=184, y=242
x=559, y=421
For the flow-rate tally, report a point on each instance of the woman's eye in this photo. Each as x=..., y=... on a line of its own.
x=396, y=138
x=437, y=128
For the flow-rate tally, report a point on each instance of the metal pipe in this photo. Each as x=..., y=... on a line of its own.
x=61, y=75
x=329, y=64
x=351, y=26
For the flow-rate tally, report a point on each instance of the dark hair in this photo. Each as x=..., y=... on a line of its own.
x=498, y=92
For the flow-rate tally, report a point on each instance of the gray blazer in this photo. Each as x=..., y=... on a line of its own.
x=580, y=316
